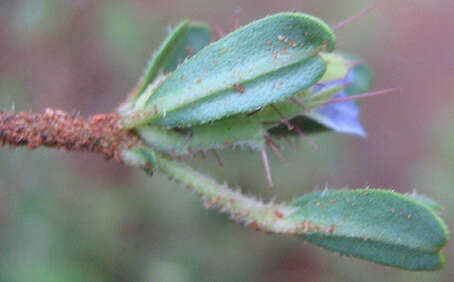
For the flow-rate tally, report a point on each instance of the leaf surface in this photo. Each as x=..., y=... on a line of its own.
x=264, y=62
x=236, y=131
x=183, y=42
x=377, y=225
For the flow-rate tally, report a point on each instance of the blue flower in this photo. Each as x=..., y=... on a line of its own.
x=342, y=116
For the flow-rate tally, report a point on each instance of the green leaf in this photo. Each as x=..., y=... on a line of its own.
x=376, y=225
x=240, y=130
x=236, y=131
x=381, y=226
x=425, y=201
x=183, y=42
x=264, y=62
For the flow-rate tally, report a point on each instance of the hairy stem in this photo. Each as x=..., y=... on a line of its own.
x=268, y=217
x=56, y=129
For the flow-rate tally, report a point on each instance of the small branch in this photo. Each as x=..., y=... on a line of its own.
x=56, y=129
x=267, y=217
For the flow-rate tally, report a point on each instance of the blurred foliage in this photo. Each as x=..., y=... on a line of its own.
x=72, y=217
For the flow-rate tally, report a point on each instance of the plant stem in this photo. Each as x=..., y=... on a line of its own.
x=56, y=129
x=268, y=217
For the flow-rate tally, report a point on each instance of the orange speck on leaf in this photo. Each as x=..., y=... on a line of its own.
x=278, y=214
x=331, y=229
x=239, y=88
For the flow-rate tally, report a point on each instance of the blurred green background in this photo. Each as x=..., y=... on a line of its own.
x=75, y=217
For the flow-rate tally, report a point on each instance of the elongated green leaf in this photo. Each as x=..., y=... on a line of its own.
x=261, y=91
x=376, y=225
x=264, y=62
x=241, y=130
x=237, y=131
x=184, y=41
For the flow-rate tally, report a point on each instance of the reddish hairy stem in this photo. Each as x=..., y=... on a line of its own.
x=54, y=128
